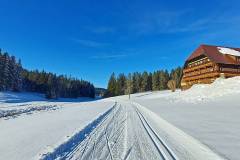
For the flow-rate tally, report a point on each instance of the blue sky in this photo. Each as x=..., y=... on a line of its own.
x=90, y=39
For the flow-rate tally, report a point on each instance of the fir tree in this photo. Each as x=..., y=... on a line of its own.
x=149, y=83
x=140, y=82
x=155, y=81
x=112, y=84
x=1, y=71
x=145, y=82
x=121, y=84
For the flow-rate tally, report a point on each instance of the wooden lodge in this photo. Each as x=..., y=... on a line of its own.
x=207, y=63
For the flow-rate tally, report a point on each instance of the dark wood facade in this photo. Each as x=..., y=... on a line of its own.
x=207, y=63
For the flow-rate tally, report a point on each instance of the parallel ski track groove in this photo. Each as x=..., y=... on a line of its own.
x=89, y=137
x=106, y=134
x=108, y=118
x=163, y=155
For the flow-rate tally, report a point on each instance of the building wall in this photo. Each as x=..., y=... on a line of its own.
x=203, y=70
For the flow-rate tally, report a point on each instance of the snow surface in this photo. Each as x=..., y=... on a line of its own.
x=29, y=136
x=200, y=123
x=124, y=133
x=229, y=51
x=17, y=97
x=208, y=113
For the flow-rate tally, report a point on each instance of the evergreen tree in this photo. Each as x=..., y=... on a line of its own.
x=112, y=84
x=149, y=83
x=163, y=79
x=155, y=81
x=13, y=77
x=145, y=82
x=6, y=72
x=17, y=77
x=134, y=83
x=121, y=84
x=1, y=71
x=138, y=78
x=10, y=73
x=140, y=82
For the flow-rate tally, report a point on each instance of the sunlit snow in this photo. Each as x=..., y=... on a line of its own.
x=229, y=51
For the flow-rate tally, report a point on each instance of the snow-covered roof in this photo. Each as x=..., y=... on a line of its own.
x=217, y=54
x=228, y=51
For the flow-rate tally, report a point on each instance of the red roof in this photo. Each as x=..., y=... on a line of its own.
x=213, y=53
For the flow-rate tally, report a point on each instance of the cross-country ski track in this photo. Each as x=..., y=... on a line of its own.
x=128, y=131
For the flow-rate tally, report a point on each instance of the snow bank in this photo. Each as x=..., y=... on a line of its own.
x=197, y=93
x=229, y=51
x=203, y=92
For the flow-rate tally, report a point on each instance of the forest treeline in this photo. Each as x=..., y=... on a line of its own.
x=140, y=82
x=14, y=78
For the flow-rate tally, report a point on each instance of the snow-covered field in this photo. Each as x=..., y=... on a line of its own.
x=209, y=113
x=29, y=135
x=200, y=123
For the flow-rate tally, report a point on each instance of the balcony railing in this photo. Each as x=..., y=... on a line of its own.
x=203, y=65
x=198, y=72
x=202, y=76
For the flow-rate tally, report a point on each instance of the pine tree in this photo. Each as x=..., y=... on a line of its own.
x=1, y=71
x=149, y=83
x=16, y=76
x=134, y=83
x=138, y=78
x=145, y=81
x=121, y=84
x=163, y=79
x=155, y=81
x=6, y=72
x=111, y=89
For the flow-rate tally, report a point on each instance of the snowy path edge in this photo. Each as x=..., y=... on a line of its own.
x=72, y=141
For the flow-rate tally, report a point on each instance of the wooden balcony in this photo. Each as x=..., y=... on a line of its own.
x=201, y=66
x=198, y=72
x=231, y=74
x=209, y=75
x=212, y=74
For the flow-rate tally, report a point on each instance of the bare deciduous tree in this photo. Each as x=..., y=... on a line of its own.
x=172, y=85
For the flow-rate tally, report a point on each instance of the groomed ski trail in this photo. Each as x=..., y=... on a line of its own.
x=124, y=134
x=128, y=131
